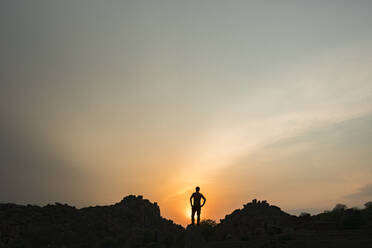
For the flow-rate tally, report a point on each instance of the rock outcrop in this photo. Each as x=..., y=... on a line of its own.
x=133, y=222
x=257, y=218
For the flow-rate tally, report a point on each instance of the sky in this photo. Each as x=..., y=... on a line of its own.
x=246, y=99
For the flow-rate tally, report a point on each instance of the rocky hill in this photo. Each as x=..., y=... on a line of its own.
x=254, y=219
x=259, y=224
x=136, y=222
x=133, y=222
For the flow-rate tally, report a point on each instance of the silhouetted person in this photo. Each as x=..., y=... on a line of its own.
x=196, y=206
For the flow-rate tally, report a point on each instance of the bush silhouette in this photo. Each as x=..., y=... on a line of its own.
x=340, y=207
x=368, y=205
x=208, y=228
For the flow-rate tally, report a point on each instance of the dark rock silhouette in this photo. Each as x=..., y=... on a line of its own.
x=255, y=219
x=136, y=222
x=259, y=224
x=133, y=222
x=194, y=237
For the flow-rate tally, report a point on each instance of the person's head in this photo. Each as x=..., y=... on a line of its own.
x=197, y=188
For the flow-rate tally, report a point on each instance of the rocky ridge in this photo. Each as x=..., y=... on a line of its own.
x=136, y=222
x=133, y=222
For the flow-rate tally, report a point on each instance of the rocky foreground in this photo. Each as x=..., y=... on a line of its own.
x=132, y=222
x=261, y=225
x=136, y=222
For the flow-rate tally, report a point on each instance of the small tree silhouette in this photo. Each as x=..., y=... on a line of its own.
x=339, y=207
x=305, y=215
x=368, y=205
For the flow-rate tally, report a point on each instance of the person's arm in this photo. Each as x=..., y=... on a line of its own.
x=204, y=200
x=191, y=199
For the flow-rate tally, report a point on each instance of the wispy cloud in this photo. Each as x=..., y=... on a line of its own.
x=363, y=192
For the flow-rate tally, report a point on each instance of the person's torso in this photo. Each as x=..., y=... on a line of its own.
x=197, y=198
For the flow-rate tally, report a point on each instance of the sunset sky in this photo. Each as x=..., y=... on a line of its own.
x=246, y=99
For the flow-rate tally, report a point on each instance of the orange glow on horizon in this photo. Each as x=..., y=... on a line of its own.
x=188, y=213
x=177, y=207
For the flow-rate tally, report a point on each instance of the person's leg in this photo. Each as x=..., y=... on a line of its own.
x=198, y=215
x=192, y=215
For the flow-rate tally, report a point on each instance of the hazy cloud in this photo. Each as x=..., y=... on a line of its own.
x=32, y=172
x=363, y=192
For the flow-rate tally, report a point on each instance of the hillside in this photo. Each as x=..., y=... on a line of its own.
x=133, y=222
x=259, y=224
x=136, y=222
